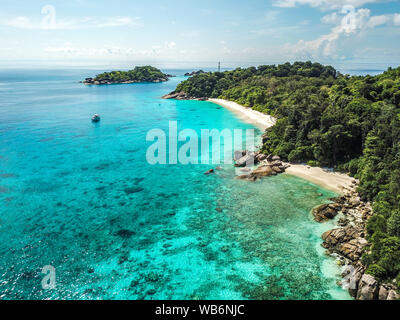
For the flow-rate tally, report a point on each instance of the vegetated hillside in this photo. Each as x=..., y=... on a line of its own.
x=138, y=74
x=325, y=118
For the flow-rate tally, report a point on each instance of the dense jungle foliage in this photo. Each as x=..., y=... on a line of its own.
x=140, y=74
x=329, y=119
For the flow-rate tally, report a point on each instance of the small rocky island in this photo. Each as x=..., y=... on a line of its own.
x=137, y=75
x=193, y=73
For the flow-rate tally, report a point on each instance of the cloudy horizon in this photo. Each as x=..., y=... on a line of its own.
x=95, y=33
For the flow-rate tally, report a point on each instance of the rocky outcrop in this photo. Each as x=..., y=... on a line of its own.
x=338, y=236
x=383, y=292
x=246, y=160
x=193, y=73
x=348, y=243
x=177, y=96
x=182, y=96
x=326, y=212
x=351, y=278
x=260, y=157
x=263, y=171
x=368, y=288
x=393, y=295
x=268, y=165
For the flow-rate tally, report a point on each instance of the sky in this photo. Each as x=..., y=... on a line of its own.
x=98, y=32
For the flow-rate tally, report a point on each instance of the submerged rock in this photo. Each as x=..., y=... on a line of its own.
x=152, y=277
x=247, y=177
x=90, y=270
x=4, y=189
x=125, y=233
x=151, y=292
x=225, y=249
x=133, y=190
x=122, y=259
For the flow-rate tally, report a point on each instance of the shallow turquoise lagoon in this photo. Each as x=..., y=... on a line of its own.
x=82, y=198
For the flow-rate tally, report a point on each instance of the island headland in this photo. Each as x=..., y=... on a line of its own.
x=193, y=73
x=315, y=117
x=137, y=75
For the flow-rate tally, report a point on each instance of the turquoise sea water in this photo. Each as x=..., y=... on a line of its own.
x=82, y=198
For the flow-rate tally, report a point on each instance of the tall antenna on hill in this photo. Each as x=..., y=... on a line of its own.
x=219, y=66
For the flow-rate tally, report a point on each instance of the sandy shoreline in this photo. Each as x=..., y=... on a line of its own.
x=261, y=120
x=335, y=181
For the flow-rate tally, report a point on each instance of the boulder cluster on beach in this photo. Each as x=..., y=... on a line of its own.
x=347, y=243
x=269, y=165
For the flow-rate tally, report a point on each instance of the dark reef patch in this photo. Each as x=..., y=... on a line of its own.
x=102, y=166
x=7, y=175
x=138, y=180
x=4, y=189
x=133, y=190
x=125, y=233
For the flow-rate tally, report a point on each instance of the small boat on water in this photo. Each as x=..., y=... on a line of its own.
x=96, y=118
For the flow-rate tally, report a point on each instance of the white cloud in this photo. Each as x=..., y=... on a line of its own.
x=332, y=18
x=72, y=24
x=117, y=22
x=19, y=22
x=378, y=21
x=98, y=52
x=351, y=24
x=396, y=19
x=271, y=15
x=324, y=4
x=75, y=51
x=169, y=45
x=226, y=51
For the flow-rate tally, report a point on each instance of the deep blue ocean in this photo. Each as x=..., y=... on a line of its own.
x=82, y=198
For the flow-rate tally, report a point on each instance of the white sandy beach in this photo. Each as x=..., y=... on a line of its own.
x=334, y=181
x=261, y=120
